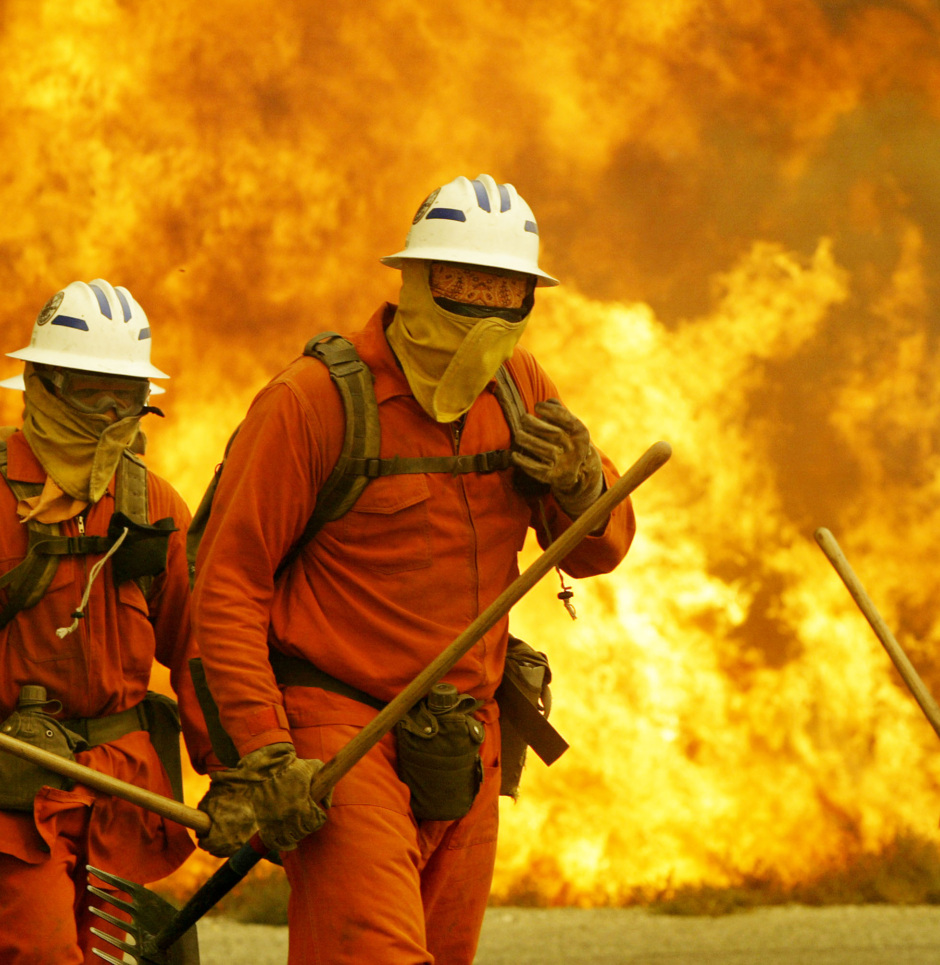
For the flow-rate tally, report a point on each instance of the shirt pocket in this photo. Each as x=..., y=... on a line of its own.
x=388, y=529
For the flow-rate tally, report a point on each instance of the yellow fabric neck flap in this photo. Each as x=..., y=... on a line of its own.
x=447, y=358
x=80, y=452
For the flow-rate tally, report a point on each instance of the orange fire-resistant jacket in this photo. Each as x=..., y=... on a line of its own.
x=102, y=668
x=379, y=593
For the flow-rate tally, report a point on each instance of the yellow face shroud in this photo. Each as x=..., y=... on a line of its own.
x=448, y=358
x=79, y=451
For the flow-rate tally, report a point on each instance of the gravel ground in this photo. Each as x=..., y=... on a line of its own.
x=792, y=935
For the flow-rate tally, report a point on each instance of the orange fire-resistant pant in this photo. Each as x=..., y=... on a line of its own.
x=44, y=916
x=373, y=885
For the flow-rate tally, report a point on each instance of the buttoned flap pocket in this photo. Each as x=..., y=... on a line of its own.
x=388, y=529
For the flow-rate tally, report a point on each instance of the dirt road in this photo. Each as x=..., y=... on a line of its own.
x=792, y=935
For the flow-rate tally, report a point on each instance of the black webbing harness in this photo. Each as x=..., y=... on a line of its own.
x=28, y=581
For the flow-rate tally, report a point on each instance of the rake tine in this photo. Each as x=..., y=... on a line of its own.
x=105, y=896
x=117, y=943
x=110, y=959
x=125, y=926
x=110, y=879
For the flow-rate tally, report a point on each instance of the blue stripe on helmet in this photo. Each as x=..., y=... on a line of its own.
x=125, y=305
x=67, y=321
x=483, y=199
x=143, y=333
x=505, y=203
x=532, y=226
x=102, y=301
x=448, y=214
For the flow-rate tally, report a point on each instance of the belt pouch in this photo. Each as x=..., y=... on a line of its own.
x=439, y=754
x=21, y=780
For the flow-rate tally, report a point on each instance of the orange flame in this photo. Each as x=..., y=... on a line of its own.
x=741, y=201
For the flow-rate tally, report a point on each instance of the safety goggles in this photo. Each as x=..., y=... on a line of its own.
x=96, y=393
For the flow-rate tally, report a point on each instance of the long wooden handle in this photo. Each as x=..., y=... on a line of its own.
x=834, y=554
x=651, y=460
x=164, y=806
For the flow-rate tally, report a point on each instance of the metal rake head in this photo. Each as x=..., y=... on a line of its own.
x=148, y=914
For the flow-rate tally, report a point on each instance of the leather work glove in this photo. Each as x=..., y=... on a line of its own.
x=285, y=810
x=228, y=804
x=558, y=451
x=269, y=791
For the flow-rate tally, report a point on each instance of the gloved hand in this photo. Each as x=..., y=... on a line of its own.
x=285, y=810
x=269, y=791
x=558, y=451
x=228, y=804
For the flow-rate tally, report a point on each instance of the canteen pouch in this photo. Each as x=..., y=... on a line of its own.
x=529, y=669
x=21, y=780
x=439, y=755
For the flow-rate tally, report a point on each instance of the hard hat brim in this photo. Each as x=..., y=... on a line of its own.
x=143, y=370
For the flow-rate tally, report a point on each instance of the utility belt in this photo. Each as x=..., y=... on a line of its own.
x=439, y=739
x=102, y=730
x=21, y=780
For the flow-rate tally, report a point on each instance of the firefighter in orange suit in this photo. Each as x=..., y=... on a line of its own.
x=81, y=627
x=377, y=594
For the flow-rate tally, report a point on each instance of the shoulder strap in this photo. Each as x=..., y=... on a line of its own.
x=29, y=580
x=510, y=400
x=361, y=438
x=130, y=498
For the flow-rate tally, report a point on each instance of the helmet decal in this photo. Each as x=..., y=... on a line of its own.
x=143, y=333
x=483, y=199
x=505, y=202
x=450, y=214
x=50, y=308
x=532, y=226
x=122, y=298
x=425, y=206
x=102, y=301
x=67, y=321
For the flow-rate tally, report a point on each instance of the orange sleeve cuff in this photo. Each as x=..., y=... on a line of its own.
x=265, y=726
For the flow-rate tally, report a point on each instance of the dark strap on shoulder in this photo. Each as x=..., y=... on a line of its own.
x=510, y=400
x=361, y=439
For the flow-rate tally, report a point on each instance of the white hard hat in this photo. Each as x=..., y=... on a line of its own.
x=93, y=327
x=476, y=222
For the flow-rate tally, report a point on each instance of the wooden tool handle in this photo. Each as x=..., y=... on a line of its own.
x=164, y=806
x=834, y=554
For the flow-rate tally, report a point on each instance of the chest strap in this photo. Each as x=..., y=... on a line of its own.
x=481, y=462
